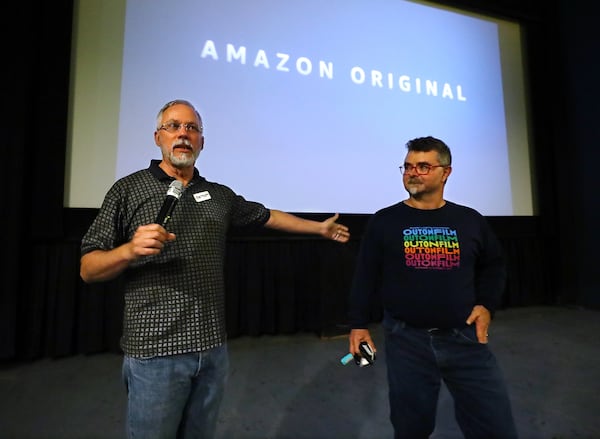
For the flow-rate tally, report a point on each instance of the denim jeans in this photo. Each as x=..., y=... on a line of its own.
x=175, y=396
x=417, y=360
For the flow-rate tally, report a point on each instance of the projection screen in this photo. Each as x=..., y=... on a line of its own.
x=307, y=106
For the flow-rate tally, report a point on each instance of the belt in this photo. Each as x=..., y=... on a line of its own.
x=440, y=331
x=431, y=331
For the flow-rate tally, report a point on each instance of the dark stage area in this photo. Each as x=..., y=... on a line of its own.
x=294, y=386
x=286, y=295
x=278, y=284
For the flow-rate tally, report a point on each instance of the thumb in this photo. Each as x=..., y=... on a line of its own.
x=471, y=318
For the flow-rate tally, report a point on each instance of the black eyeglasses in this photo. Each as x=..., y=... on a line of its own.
x=173, y=127
x=421, y=168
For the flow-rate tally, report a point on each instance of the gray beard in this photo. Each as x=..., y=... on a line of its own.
x=413, y=190
x=183, y=161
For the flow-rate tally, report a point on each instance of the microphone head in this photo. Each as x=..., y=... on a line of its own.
x=175, y=189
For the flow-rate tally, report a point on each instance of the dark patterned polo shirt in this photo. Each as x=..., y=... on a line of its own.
x=174, y=301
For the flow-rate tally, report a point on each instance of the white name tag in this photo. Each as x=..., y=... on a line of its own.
x=201, y=196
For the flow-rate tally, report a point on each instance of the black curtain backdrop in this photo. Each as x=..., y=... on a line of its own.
x=279, y=283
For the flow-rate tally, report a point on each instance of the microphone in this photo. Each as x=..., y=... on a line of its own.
x=173, y=196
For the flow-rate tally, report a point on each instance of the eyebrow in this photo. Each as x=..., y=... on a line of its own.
x=181, y=123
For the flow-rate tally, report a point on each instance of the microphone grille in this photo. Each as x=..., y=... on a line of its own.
x=175, y=189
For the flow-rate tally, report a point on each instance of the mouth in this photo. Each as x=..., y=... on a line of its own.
x=182, y=148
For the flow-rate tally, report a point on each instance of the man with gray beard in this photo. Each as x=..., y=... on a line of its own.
x=174, y=340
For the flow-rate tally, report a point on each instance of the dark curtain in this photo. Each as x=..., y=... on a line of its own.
x=276, y=284
x=36, y=93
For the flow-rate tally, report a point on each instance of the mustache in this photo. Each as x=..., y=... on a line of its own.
x=182, y=143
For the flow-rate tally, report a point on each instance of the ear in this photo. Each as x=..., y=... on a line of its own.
x=156, y=138
x=201, y=143
x=447, y=172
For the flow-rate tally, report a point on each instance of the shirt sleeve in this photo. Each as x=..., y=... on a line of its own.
x=248, y=213
x=366, y=278
x=106, y=231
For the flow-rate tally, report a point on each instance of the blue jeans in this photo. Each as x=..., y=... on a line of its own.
x=175, y=396
x=417, y=360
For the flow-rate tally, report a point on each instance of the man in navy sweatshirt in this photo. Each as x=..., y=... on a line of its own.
x=439, y=272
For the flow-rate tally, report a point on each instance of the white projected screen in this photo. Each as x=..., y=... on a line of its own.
x=307, y=105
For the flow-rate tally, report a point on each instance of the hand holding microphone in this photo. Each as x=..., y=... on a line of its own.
x=148, y=239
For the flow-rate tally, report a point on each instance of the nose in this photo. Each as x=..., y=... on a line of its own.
x=182, y=131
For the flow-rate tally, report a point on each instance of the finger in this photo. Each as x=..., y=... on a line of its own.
x=471, y=318
x=340, y=232
x=339, y=237
x=482, y=335
x=372, y=345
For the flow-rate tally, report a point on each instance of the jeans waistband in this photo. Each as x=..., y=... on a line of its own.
x=430, y=331
x=439, y=331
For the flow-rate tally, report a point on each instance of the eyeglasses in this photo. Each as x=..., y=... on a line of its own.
x=421, y=168
x=173, y=127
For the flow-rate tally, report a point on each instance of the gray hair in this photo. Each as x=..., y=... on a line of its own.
x=429, y=143
x=178, y=102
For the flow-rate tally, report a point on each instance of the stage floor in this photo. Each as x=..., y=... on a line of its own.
x=294, y=387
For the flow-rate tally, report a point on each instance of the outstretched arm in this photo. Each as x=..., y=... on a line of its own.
x=290, y=223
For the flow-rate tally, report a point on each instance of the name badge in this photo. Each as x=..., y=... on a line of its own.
x=201, y=196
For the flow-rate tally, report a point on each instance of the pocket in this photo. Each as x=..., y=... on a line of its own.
x=390, y=324
x=468, y=335
x=387, y=324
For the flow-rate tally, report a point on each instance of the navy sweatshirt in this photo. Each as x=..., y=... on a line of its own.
x=428, y=267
